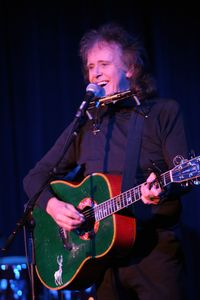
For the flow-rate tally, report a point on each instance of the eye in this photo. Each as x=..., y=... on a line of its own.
x=90, y=67
x=104, y=64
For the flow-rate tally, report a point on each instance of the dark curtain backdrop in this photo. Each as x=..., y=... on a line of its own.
x=41, y=87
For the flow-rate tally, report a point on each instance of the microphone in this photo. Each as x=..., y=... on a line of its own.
x=92, y=91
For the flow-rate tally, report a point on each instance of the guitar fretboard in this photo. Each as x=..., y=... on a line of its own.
x=117, y=203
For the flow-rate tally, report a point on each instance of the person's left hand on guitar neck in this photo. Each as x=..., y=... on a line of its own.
x=151, y=190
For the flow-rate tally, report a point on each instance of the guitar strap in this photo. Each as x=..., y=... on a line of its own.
x=132, y=153
x=132, y=157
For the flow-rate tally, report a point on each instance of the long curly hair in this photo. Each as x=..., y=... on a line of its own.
x=134, y=55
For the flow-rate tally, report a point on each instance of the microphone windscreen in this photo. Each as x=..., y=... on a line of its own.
x=96, y=89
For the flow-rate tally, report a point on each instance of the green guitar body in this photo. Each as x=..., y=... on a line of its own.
x=86, y=256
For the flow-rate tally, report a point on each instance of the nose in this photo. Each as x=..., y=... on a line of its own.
x=97, y=72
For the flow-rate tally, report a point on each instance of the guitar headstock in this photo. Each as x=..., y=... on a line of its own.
x=187, y=170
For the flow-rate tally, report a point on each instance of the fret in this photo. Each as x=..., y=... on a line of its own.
x=122, y=200
x=118, y=202
x=103, y=209
x=166, y=179
x=163, y=179
x=96, y=213
x=169, y=179
x=115, y=205
x=126, y=198
x=129, y=197
x=137, y=193
x=112, y=205
x=109, y=207
x=124, y=195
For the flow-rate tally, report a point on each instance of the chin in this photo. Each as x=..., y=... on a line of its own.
x=110, y=92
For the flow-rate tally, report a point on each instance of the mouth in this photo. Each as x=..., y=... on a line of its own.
x=102, y=83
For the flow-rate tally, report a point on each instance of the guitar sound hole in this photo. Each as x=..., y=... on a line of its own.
x=88, y=224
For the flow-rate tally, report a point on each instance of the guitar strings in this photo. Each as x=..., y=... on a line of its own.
x=117, y=203
x=114, y=204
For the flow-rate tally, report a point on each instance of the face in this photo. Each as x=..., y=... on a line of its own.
x=105, y=68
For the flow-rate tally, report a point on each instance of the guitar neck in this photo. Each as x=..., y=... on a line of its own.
x=125, y=199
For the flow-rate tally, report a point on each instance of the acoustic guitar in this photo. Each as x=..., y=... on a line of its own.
x=77, y=259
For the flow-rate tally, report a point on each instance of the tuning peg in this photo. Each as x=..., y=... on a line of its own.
x=178, y=159
x=192, y=153
x=185, y=184
x=196, y=181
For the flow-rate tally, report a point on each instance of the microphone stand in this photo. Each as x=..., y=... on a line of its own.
x=26, y=220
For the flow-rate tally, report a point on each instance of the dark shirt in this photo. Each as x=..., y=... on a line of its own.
x=163, y=139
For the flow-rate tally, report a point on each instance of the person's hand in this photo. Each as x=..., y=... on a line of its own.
x=64, y=214
x=150, y=191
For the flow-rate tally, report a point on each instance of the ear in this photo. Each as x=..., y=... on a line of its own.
x=130, y=72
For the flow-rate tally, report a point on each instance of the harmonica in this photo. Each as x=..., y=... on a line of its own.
x=113, y=98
